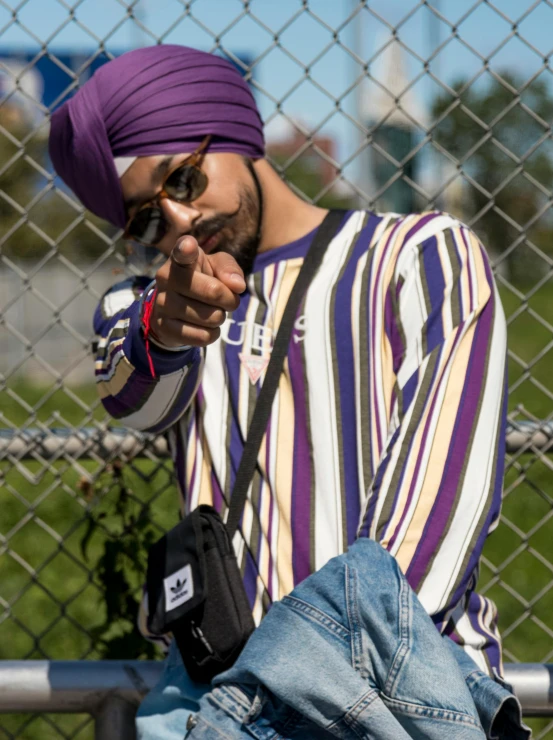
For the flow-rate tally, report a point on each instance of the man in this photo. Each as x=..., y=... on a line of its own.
x=389, y=421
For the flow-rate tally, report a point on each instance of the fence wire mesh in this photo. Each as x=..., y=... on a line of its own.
x=388, y=105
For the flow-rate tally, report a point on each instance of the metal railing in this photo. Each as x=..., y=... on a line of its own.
x=87, y=442
x=111, y=690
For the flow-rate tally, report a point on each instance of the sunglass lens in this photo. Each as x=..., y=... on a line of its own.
x=186, y=184
x=148, y=226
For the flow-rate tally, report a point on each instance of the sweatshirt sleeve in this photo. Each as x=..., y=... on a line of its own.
x=436, y=493
x=129, y=391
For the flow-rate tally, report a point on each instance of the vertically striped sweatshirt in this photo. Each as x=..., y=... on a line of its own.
x=389, y=420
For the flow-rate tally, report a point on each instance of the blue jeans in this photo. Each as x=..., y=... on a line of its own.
x=352, y=654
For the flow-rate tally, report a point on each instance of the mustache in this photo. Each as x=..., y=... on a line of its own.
x=205, y=229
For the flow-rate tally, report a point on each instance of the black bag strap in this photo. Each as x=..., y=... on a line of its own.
x=263, y=406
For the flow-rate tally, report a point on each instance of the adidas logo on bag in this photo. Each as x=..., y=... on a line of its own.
x=179, y=588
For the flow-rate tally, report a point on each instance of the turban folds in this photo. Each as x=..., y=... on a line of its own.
x=157, y=100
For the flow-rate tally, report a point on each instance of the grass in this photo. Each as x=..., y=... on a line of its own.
x=56, y=596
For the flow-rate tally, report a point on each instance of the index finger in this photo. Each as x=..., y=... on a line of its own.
x=188, y=253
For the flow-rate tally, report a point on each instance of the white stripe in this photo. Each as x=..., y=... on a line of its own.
x=441, y=222
x=413, y=316
x=115, y=360
x=425, y=451
x=322, y=401
x=121, y=324
x=473, y=642
x=272, y=472
x=244, y=383
x=117, y=301
x=375, y=356
x=214, y=385
x=357, y=289
x=194, y=494
x=445, y=262
x=392, y=466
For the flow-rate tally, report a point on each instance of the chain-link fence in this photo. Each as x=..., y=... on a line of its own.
x=388, y=104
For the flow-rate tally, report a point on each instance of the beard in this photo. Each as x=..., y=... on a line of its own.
x=239, y=231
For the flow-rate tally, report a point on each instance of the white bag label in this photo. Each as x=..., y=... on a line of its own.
x=179, y=588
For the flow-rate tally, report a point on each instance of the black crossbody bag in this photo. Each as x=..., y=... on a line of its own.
x=195, y=589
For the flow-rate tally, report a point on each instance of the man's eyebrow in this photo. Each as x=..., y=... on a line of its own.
x=158, y=173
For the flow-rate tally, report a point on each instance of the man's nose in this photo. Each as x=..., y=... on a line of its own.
x=181, y=216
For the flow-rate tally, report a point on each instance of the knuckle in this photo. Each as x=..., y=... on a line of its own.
x=213, y=335
x=161, y=301
x=216, y=318
x=159, y=327
x=219, y=318
x=214, y=291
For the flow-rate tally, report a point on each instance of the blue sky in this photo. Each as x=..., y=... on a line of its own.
x=308, y=42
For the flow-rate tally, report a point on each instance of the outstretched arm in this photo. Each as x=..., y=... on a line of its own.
x=148, y=379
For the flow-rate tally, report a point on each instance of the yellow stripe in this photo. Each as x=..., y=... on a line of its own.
x=120, y=378
x=386, y=378
x=440, y=445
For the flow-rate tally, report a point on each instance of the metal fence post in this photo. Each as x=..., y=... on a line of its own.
x=115, y=720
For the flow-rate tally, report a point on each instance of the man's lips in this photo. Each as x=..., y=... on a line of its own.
x=209, y=242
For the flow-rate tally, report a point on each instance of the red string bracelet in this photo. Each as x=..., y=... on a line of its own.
x=146, y=319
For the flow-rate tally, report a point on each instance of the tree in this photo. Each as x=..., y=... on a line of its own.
x=499, y=133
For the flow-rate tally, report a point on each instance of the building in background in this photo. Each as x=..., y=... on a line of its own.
x=310, y=163
x=396, y=118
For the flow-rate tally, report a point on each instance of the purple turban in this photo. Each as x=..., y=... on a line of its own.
x=157, y=100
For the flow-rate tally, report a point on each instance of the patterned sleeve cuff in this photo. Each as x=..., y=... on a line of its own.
x=164, y=360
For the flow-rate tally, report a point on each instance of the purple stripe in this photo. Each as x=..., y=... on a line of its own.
x=300, y=514
x=497, y=489
x=346, y=378
x=422, y=221
x=491, y=647
x=436, y=523
x=250, y=579
x=232, y=363
x=408, y=396
x=218, y=498
x=436, y=290
x=131, y=397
